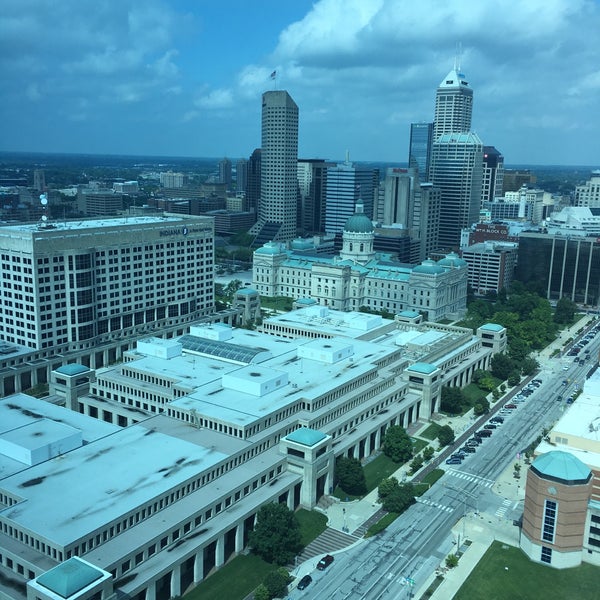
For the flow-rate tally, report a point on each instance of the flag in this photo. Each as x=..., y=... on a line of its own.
x=273, y=74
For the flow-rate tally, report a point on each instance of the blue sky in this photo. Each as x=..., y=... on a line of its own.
x=184, y=77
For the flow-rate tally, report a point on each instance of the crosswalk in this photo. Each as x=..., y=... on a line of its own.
x=434, y=504
x=501, y=512
x=488, y=483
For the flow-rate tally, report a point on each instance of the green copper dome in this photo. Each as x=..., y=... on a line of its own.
x=359, y=222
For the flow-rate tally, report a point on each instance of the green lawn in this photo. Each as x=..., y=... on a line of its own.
x=431, y=432
x=312, y=524
x=234, y=581
x=380, y=468
x=526, y=580
x=473, y=393
x=276, y=302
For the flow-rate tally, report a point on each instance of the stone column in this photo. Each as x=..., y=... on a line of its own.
x=199, y=566
x=239, y=537
x=151, y=591
x=220, y=552
x=176, y=581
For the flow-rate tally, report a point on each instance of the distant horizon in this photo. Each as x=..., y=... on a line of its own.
x=233, y=159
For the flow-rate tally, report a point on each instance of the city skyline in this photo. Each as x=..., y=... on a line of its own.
x=185, y=78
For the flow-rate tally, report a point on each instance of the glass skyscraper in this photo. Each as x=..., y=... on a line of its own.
x=419, y=150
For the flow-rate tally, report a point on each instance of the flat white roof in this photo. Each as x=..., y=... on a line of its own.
x=19, y=410
x=80, y=491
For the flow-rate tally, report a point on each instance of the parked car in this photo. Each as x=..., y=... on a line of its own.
x=468, y=449
x=490, y=426
x=570, y=400
x=484, y=433
x=474, y=441
x=304, y=582
x=324, y=562
x=497, y=420
x=453, y=461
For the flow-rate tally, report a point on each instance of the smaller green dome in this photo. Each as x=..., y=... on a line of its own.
x=430, y=267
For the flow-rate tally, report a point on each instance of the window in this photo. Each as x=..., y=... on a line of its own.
x=546, y=555
x=549, y=522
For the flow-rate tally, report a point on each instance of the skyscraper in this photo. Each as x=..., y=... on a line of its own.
x=456, y=165
x=457, y=169
x=419, y=150
x=346, y=184
x=493, y=174
x=453, y=105
x=241, y=175
x=312, y=178
x=253, y=186
x=279, y=183
x=225, y=172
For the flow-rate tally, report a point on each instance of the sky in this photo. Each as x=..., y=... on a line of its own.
x=185, y=77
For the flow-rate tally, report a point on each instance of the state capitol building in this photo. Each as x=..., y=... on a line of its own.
x=361, y=278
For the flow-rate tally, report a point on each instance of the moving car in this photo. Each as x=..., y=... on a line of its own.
x=304, y=582
x=324, y=562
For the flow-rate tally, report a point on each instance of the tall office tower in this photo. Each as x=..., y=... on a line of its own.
x=39, y=180
x=253, y=187
x=225, y=172
x=419, y=149
x=312, y=178
x=399, y=197
x=241, y=175
x=79, y=285
x=345, y=185
x=426, y=219
x=277, y=208
x=493, y=174
x=453, y=105
x=457, y=169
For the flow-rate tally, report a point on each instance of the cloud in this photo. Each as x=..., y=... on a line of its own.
x=217, y=99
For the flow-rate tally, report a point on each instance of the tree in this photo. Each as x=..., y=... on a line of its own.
x=262, y=593
x=276, y=583
x=452, y=400
x=481, y=407
x=428, y=453
x=350, y=475
x=478, y=375
x=445, y=435
x=451, y=561
x=231, y=288
x=529, y=366
x=397, y=445
x=514, y=378
x=276, y=535
x=416, y=463
x=565, y=311
x=395, y=497
x=501, y=366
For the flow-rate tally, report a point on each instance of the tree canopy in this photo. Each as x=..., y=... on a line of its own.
x=445, y=435
x=276, y=535
x=395, y=497
x=452, y=400
x=397, y=445
x=350, y=476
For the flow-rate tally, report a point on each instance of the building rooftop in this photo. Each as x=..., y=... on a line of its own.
x=72, y=369
x=562, y=466
x=306, y=436
x=93, y=484
x=421, y=367
x=70, y=577
x=492, y=327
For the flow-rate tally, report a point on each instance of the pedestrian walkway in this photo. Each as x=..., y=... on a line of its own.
x=331, y=540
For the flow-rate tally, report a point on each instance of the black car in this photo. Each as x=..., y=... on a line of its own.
x=490, y=426
x=324, y=562
x=484, y=433
x=304, y=582
x=497, y=420
x=468, y=449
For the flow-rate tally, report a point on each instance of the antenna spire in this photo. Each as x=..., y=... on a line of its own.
x=458, y=57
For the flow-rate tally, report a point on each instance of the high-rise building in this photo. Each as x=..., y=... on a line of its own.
x=419, y=150
x=253, y=187
x=456, y=165
x=312, y=178
x=39, y=180
x=493, y=174
x=279, y=180
x=225, y=172
x=453, y=105
x=346, y=184
x=241, y=176
x=457, y=169
x=81, y=284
